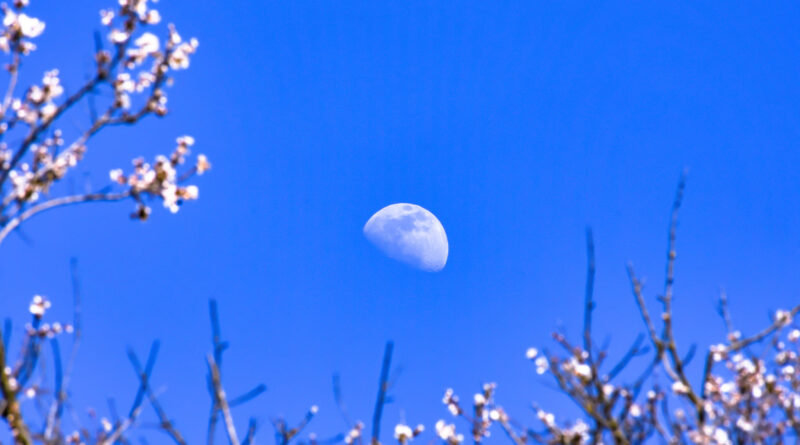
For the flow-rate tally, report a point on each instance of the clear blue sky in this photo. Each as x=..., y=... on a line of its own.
x=517, y=124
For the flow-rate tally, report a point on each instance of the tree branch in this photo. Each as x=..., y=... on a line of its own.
x=383, y=388
x=11, y=411
x=58, y=202
x=221, y=400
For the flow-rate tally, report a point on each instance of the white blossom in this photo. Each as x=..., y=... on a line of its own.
x=148, y=43
x=118, y=36
x=153, y=17
x=106, y=16
x=447, y=432
x=39, y=306
x=783, y=317
x=680, y=388
x=547, y=418
x=30, y=26
x=403, y=433
x=542, y=365
x=26, y=25
x=354, y=433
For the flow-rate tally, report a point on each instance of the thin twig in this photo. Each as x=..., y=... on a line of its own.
x=248, y=396
x=669, y=279
x=60, y=395
x=218, y=347
x=136, y=407
x=221, y=400
x=383, y=388
x=632, y=352
x=724, y=312
x=777, y=324
x=636, y=286
x=285, y=436
x=251, y=432
x=337, y=396
x=164, y=422
x=588, y=305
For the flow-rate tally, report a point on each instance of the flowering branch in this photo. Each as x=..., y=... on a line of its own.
x=752, y=399
x=40, y=161
x=10, y=405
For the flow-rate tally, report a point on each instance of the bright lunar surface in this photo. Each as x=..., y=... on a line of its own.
x=409, y=233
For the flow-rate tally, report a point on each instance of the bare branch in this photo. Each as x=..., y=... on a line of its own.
x=59, y=202
x=723, y=311
x=60, y=395
x=221, y=400
x=337, y=396
x=632, y=352
x=383, y=388
x=636, y=286
x=248, y=396
x=251, y=432
x=588, y=305
x=777, y=324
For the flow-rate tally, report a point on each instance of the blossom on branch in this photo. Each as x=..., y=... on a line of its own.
x=137, y=70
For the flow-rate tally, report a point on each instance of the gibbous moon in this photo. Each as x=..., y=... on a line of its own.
x=410, y=234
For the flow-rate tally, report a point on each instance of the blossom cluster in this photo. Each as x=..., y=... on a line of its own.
x=404, y=433
x=161, y=179
x=753, y=397
x=749, y=394
x=354, y=435
x=38, y=307
x=484, y=413
x=47, y=166
x=19, y=28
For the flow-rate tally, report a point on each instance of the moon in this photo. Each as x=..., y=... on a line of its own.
x=410, y=234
